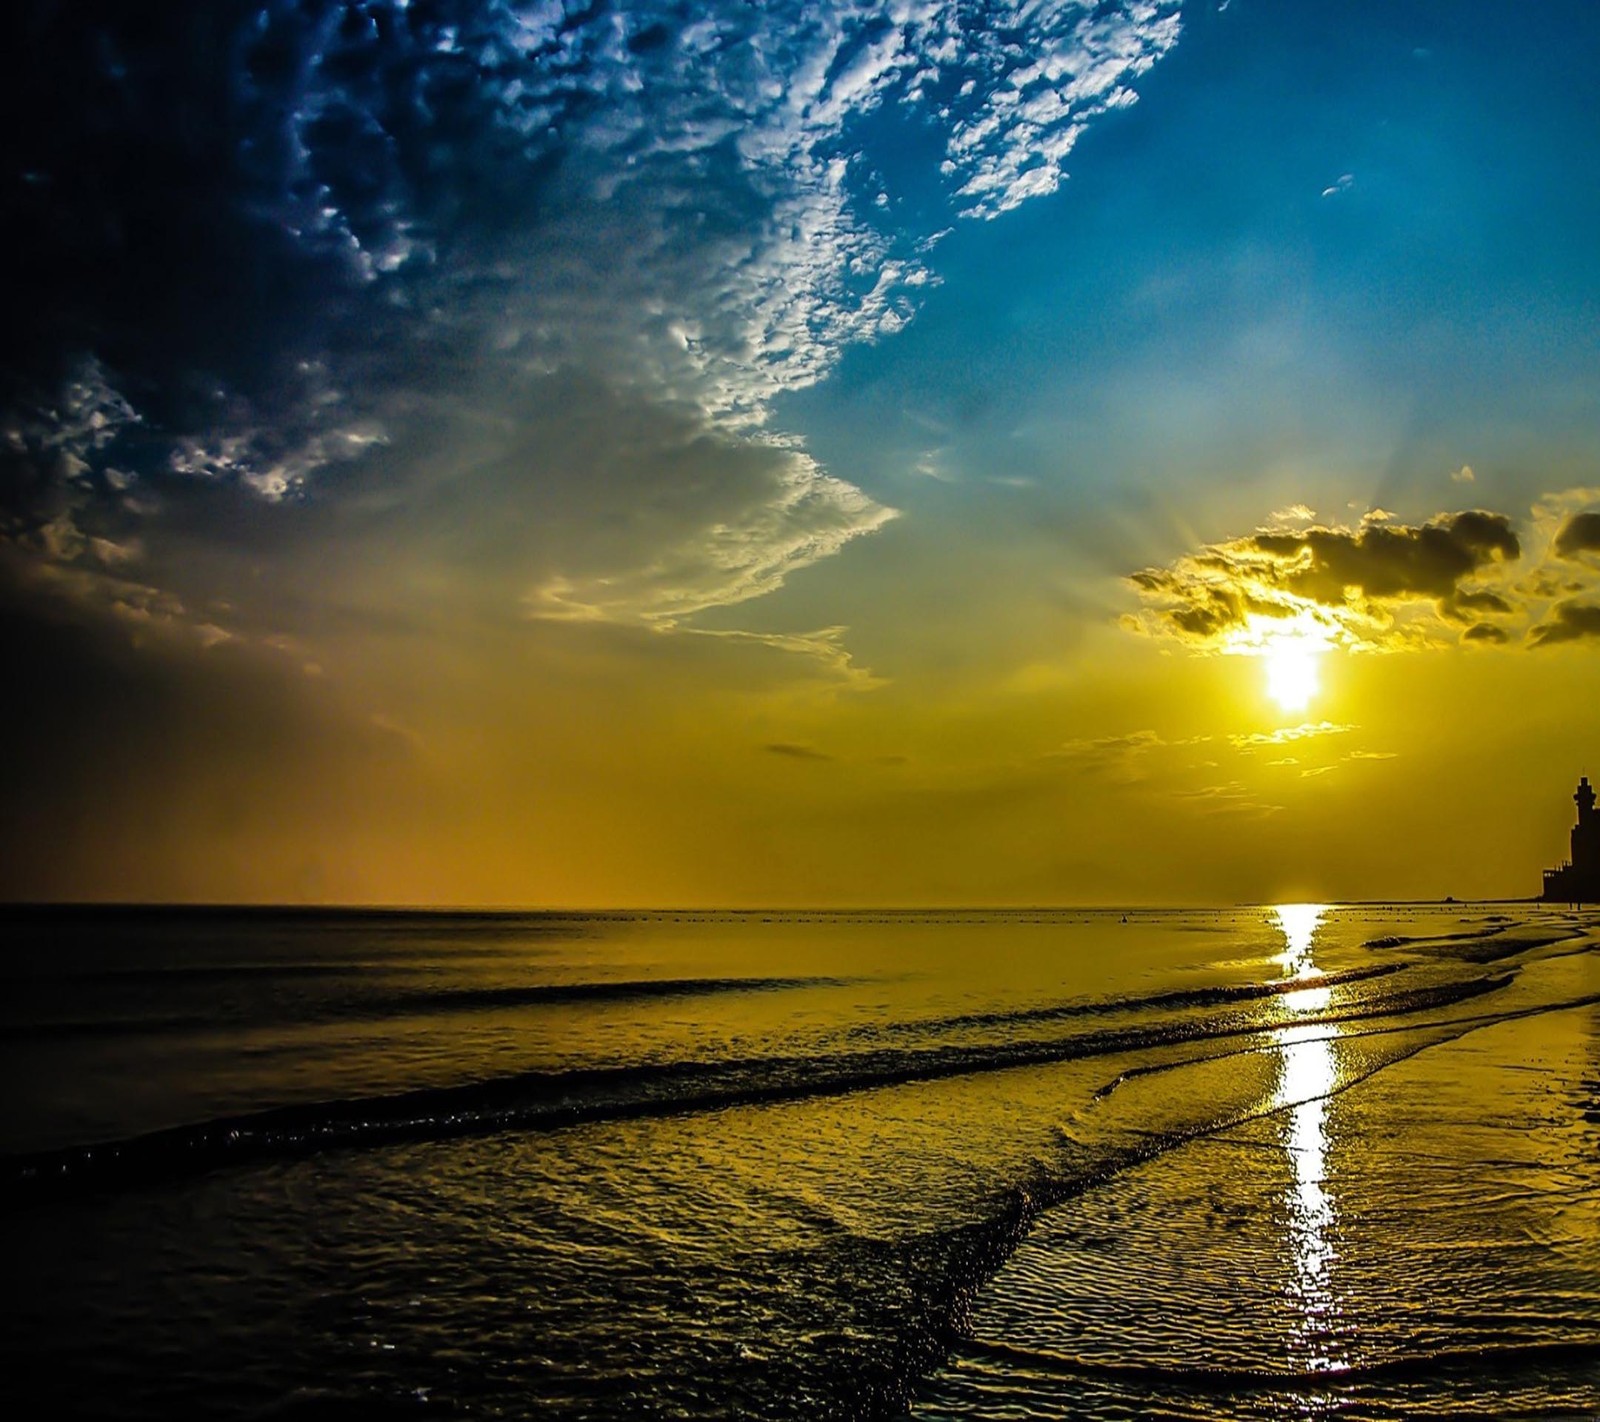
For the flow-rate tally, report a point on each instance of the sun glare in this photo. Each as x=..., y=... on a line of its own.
x=1292, y=673
x=1291, y=649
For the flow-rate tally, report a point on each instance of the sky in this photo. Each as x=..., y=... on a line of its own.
x=937, y=452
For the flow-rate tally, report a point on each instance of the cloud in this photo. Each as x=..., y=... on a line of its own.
x=1098, y=747
x=785, y=514
x=1037, y=98
x=1463, y=475
x=1580, y=534
x=1228, y=798
x=825, y=646
x=1120, y=757
x=1390, y=562
x=1570, y=622
x=1345, y=182
x=1342, y=585
x=1117, y=748
x=357, y=220
x=1294, y=513
x=1460, y=579
x=792, y=751
x=1123, y=759
x=63, y=574
x=1290, y=733
x=586, y=506
x=1481, y=600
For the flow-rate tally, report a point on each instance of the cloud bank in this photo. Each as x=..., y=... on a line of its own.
x=274, y=250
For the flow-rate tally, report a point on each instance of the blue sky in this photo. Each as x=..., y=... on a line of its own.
x=1355, y=235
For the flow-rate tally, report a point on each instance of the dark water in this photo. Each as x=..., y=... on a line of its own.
x=1257, y=1163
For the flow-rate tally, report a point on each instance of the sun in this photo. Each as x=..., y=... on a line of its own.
x=1290, y=649
x=1293, y=673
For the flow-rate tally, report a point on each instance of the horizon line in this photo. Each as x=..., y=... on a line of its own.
x=203, y=906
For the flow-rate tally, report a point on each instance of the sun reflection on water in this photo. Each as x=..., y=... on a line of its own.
x=1307, y=1073
x=1298, y=924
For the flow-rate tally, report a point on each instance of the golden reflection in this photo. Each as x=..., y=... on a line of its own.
x=1298, y=924
x=1308, y=1072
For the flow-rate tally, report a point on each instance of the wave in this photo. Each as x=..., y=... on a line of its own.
x=1480, y=945
x=544, y=1100
x=106, y=1027
x=606, y=990
x=1176, y=999
x=1497, y=1360
x=384, y=1006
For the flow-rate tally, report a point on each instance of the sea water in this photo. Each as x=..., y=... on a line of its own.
x=1265, y=1162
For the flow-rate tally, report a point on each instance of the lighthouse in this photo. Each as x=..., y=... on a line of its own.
x=1578, y=881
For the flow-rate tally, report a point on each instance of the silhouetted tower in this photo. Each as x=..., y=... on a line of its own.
x=1586, y=833
x=1578, y=882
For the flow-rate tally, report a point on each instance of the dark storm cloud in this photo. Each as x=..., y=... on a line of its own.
x=1580, y=534
x=1486, y=632
x=1570, y=622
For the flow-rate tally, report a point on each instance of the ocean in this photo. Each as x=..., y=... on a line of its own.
x=1265, y=1162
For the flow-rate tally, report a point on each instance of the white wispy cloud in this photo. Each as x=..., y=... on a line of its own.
x=810, y=517
x=1079, y=61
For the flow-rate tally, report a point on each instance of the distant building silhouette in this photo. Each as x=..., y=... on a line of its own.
x=1578, y=882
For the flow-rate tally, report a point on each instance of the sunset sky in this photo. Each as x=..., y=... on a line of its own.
x=810, y=453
